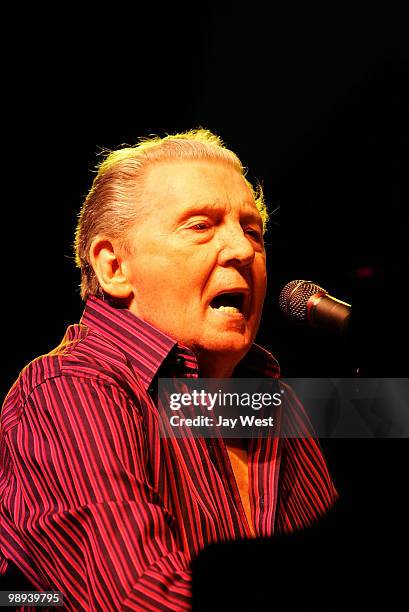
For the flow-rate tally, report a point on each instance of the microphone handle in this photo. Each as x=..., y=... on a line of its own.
x=328, y=312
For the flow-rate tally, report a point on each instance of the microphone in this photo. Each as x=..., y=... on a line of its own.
x=307, y=303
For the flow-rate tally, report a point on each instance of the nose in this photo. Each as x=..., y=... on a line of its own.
x=235, y=247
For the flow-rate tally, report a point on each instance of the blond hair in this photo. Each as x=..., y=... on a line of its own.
x=111, y=206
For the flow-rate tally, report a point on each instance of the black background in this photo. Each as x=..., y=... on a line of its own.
x=314, y=99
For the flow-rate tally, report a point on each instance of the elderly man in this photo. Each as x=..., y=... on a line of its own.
x=94, y=502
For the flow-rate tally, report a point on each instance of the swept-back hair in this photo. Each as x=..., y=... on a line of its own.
x=111, y=206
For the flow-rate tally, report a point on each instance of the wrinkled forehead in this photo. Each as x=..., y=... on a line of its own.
x=197, y=183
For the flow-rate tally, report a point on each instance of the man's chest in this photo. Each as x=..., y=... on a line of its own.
x=239, y=463
x=207, y=486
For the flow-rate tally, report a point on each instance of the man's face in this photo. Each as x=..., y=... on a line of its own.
x=197, y=268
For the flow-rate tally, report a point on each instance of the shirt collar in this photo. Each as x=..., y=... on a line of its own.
x=257, y=363
x=147, y=347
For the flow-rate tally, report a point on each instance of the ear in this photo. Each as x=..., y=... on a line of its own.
x=108, y=267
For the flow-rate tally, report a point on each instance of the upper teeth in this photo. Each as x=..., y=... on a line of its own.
x=231, y=309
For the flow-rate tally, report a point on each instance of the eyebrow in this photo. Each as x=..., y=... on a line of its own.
x=250, y=214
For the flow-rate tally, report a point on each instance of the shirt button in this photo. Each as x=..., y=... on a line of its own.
x=180, y=361
x=261, y=503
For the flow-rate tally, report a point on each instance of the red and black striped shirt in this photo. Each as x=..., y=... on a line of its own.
x=96, y=504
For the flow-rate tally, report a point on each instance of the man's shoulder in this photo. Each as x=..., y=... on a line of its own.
x=87, y=352
x=82, y=353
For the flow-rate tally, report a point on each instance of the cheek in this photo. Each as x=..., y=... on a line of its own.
x=167, y=285
x=150, y=268
x=260, y=279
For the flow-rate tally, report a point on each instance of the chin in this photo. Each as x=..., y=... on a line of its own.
x=232, y=345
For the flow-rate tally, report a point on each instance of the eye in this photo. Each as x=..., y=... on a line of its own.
x=200, y=227
x=254, y=233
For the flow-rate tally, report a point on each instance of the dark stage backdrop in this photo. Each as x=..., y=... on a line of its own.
x=313, y=98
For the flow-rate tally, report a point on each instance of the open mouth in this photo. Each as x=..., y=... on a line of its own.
x=229, y=303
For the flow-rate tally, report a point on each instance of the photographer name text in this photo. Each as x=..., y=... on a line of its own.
x=205, y=421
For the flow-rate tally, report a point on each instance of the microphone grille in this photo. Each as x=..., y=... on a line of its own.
x=294, y=297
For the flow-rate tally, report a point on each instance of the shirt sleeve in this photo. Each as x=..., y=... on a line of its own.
x=91, y=522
